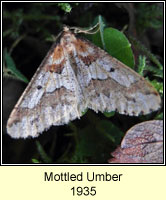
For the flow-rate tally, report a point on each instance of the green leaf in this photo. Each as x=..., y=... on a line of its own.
x=159, y=116
x=158, y=86
x=156, y=72
x=137, y=44
x=141, y=65
x=117, y=45
x=65, y=7
x=101, y=30
x=7, y=32
x=109, y=114
x=42, y=153
x=96, y=142
x=84, y=112
x=110, y=131
x=12, y=68
x=35, y=160
x=149, y=16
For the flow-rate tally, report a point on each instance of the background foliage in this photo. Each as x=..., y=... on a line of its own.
x=27, y=32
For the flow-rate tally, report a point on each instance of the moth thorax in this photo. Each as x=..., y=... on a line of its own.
x=67, y=41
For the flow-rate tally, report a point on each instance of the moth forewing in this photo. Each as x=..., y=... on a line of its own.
x=76, y=75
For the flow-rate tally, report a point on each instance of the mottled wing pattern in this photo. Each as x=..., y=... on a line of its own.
x=53, y=97
x=110, y=85
x=76, y=75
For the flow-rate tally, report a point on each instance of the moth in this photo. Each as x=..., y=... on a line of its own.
x=75, y=75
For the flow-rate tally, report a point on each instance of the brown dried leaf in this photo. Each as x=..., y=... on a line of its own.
x=143, y=143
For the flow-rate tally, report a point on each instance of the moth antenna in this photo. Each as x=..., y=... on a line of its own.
x=80, y=30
